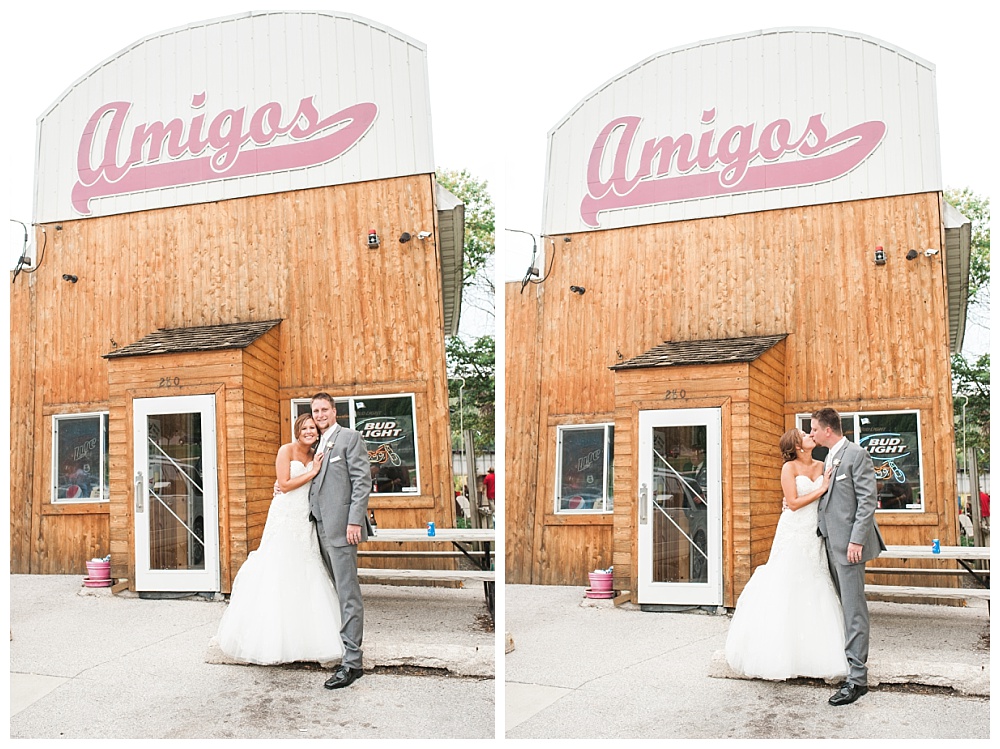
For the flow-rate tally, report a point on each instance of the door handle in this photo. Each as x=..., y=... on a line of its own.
x=140, y=490
x=643, y=500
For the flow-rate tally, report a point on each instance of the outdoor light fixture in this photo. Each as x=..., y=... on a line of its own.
x=577, y=290
x=879, y=255
x=911, y=254
x=404, y=237
x=373, y=243
x=70, y=278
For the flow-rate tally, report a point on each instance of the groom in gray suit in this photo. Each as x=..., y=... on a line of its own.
x=847, y=523
x=338, y=501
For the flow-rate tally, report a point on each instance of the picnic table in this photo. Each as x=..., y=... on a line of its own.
x=966, y=556
x=462, y=541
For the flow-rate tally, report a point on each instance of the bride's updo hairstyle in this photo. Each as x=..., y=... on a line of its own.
x=789, y=443
x=297, y=427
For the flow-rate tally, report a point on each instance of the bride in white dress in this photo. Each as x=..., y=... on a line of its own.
x=284, y=606
x=788, y=620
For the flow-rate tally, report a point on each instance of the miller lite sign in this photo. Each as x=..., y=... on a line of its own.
x=766, y=120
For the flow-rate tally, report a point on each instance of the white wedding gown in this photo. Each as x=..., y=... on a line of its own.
x=788, y=620
x=284, y=606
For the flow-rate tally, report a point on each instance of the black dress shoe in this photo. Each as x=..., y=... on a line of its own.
x=848, y=693
x=343, y=677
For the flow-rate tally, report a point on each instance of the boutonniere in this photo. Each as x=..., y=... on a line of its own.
x=836, y=462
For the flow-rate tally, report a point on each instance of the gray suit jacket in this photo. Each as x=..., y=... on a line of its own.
x=338, y=494
x=847, y=510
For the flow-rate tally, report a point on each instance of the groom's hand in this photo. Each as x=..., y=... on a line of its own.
x=854, y=553
x=353, y=534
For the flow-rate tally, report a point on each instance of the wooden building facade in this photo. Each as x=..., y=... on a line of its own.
x=688, y=318
x=168, y=333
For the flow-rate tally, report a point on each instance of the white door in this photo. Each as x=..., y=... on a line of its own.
x=680, y=506
x=176, y=497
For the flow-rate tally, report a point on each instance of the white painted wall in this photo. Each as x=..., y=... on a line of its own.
x=345, y=63
x=848, y=81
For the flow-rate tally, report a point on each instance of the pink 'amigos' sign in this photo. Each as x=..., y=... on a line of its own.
x=223, y=140
x=726, y=167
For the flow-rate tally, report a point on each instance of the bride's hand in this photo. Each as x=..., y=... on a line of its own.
x=317, y=463
x=826, y=478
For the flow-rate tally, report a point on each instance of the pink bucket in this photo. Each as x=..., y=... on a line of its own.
x=601, y=581
x=98, y=575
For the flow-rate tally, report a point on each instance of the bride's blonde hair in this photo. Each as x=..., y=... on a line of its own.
x=789, y=443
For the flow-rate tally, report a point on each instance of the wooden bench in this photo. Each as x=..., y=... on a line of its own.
x=910, y=591
x=459, y=538
x=368, y=573
x=963, y=555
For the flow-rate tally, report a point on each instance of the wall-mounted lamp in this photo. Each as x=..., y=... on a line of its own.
x=912, y=254
x=373, y=243
x=879, y=255
x=70, y=278
x=404, y=237
x=578, y=290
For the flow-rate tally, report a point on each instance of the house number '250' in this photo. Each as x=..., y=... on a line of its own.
x=170, y=382
x=671, y=395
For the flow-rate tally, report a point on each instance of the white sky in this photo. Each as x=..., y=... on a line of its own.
x=501, y=78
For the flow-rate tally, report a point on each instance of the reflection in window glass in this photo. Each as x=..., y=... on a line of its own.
x=892, y=438
x=586, y=461
x=80, y=463
x=388, y=426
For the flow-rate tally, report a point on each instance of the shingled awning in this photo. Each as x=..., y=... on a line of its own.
x=205, y=338
x=720, y=351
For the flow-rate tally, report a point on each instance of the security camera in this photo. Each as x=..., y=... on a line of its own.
x=930, y=251
x=911, y=254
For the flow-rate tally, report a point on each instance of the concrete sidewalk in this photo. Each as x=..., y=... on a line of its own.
x=585, y=669
x=86, y=664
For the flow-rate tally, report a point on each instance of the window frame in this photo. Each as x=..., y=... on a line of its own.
x=105, y=484
x=561, y=429
x=415, y=490
x=856, y=417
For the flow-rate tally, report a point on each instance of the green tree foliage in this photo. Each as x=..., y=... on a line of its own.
x=972, y=379
x=977, y=209
x=480, y=219
x=475, y=363
x=474, y=359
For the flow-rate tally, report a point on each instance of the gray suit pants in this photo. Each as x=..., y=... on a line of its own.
x=849, y=579
x=342, y=561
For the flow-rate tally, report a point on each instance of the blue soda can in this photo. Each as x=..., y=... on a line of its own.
x=936, y=546
x=431, y=531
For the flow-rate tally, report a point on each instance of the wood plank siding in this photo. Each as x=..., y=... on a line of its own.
x=860, y=336
x=355, y=321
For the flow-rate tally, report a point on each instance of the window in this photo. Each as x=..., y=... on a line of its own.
x=80, y=458
x=388, y=427
x=892, y=438
x=584, y=468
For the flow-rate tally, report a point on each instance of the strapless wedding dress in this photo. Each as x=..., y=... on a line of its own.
x=284, y=607
x=788, y=620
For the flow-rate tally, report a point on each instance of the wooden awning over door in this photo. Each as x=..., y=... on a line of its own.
x=745, y=378
x=238, y=363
